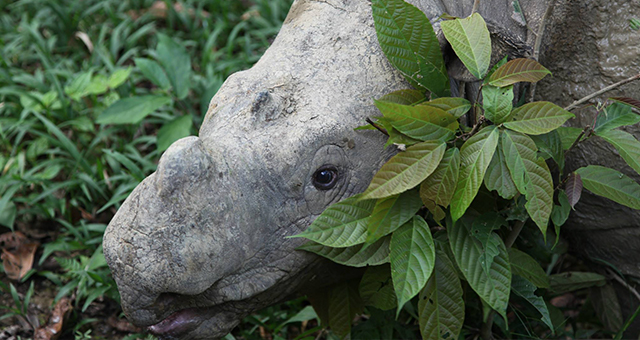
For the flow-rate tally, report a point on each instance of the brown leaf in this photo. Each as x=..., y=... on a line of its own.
x=629, y=101
x=122, y=325
x=53, y=328
x=12, y=239
x=573, y=188
x=17, y=254
x=159, y=10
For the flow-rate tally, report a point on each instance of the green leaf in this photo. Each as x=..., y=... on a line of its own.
x=455, y=106
x=482, y=229
x=441, y=306
x=154, y=72
x=75, y=90
x=524, y=265
x=568, y=135
x=132, y=110
x=537, y=118
x=421, y=122
x=560, y=213
x=550, y=146
x=376, y=288
x=469, y=38
x=118, y=77
x=395, y=137
x=497, y=102
x=611, y=184
x=390, y=213
x=353, y=256
x=570, y=281
x=441, y=184
x=404, y=97
x=518, y=70
x=605, y=302
x=98, y=85
x=627, y=145
x=476, y=154
x=492, y=287
x=174, y=130
x=615, y=116
x=344, y=304
x=409, y=42
x=498, y=177
x=412, y=259
x=525, y=289
x=305, y=314
x=406, y=170
x=343, y=224
x=494, y=68
x=8, y=213
x=436, y=211
x=530, y=175
x=177, y=64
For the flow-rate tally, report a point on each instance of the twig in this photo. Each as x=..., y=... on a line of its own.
x=377, y=126
x=538, y=43
x=514, y=234
x=586, y=128
x=601, y=91
x=475, y=7
x=623, y=283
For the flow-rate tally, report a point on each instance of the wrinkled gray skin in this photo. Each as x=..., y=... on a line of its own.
x=201, y=243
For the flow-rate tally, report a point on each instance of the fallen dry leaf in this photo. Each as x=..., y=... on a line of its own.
x=53, y=328
x=122, y=325
x=17, y=254
x=159, y=10
x=12, y=239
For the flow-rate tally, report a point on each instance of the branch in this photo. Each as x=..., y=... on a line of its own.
x=601, y=91
x=538, y=43
x=377, y=126
x=624, y=283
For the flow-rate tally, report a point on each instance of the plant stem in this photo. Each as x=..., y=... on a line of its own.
x=624, y=283
x=601, y=91
x=586, y=128
x=517, y=228
x=475, y=7
x=538, y=42
x=377, y=126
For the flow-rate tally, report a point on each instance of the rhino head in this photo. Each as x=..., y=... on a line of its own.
x=201, y=243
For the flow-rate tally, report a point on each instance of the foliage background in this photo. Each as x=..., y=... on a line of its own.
x=64, y=174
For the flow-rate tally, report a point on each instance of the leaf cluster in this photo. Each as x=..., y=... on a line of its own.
x=445, y=212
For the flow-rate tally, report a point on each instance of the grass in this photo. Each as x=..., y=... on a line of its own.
x=91, y=93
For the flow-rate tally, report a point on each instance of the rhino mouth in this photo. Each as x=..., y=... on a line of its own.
x=195, y=323
x=179, y=323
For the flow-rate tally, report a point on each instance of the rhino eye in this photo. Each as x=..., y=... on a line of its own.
x=325, y=178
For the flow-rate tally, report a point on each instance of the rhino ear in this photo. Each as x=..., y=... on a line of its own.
x=268, y=106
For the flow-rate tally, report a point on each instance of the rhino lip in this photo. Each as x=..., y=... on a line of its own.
x=178, y=323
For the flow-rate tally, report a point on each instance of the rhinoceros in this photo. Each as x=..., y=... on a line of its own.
x=202, y=242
